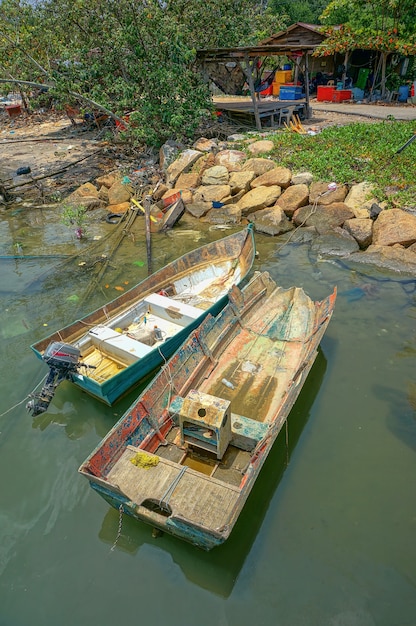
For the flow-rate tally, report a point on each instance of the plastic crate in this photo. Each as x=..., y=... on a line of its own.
x=290, y=92
x=325, y=93
x=341, y=94
x=283, y=76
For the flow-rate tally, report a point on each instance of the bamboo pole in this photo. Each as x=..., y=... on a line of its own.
x=146, y=204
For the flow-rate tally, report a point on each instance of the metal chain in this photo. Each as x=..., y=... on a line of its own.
x=120, y=524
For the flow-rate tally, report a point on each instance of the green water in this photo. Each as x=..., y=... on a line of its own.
x=326, y=539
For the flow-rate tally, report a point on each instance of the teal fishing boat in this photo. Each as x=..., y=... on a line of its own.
x=110, y=350
x=186, y=454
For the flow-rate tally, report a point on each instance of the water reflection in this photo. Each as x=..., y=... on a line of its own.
x=218, y=570
x=401, y=416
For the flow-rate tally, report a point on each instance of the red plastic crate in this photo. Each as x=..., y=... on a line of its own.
x=341, y=94
x=325, y=93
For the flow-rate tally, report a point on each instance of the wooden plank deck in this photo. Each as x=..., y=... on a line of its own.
x=105, y=367
x=201, y=499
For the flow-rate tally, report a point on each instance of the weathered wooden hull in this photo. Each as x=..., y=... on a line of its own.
x=231, y=258
x=187, y=453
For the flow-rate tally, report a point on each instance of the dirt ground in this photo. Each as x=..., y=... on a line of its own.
x=50, y=144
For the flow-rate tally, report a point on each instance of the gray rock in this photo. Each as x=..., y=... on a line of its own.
x=217, y=175
x=271, y=221
x=335, y=243
x=198, y=209
x=303, y=178
x=212, y=193
x=230, y=214
x=168, y=153
x=399, y=260
x=323, y=218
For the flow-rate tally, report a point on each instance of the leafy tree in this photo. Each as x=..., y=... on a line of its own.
x=126, y=54
x=386, y=26
x=299, y=10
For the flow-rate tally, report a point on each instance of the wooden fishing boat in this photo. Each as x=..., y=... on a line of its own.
x=107, y=352
x=186, y=454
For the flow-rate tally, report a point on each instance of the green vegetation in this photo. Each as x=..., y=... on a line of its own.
x=355, y=153
x=127, y=56
x=75, y=216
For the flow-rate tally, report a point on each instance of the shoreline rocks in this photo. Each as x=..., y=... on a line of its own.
x=221, y=185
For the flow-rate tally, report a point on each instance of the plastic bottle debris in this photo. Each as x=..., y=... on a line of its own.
x=227, y=383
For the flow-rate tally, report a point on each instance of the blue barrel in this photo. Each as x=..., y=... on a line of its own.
x=403, y=93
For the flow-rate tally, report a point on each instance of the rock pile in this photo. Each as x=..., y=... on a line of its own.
x=223, y=185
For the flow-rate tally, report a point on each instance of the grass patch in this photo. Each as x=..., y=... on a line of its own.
x=356, y=153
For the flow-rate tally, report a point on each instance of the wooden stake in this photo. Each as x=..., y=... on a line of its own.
x=146, y=204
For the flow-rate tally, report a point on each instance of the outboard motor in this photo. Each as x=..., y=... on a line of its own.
x=63, y=360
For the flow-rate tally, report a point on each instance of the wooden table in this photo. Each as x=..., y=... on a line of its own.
x=269, y=110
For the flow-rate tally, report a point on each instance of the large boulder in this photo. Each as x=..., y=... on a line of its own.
x=394, y=226
x=119, y=192
x=360, y=198
x=203, y=163
x=321, y=193
x=231, y=159
x=260, y=147
x=217, y=175
x=240, y=181
x=205, y=145
x=230, y=214
x=271, y=221
x=394, y=258
x=188, y=180
x=302, y=178
x=280, y=176
x=87, y=196
x=198, y=209
x=361, y=229
x=168, y=153
x=258, y=166
x=336, y=242
x=293, y=198
x=323, y=218
x=258, y=198
x=182, y=164
x=87, y=189
x=108, y=179
x=212, y=193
